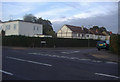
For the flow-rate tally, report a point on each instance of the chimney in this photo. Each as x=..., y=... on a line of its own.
x=96, y=30
x=82, y=27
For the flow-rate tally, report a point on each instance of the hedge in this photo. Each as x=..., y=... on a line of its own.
x=22, y=41
x=115, y=43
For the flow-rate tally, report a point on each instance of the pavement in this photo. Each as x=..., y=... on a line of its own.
x=20, y=63
x=107, y=55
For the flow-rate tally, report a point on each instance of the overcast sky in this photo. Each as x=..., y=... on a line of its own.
x=60, y=13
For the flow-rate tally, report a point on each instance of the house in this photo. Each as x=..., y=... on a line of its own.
x=97, y=34
x=107, y=34
x=70, y=31
x=20, y=27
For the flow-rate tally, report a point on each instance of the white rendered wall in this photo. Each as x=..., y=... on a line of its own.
x=27, y=29
x=64, y=32
x=11, y=31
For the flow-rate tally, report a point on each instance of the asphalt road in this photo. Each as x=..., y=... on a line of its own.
x=55, y=64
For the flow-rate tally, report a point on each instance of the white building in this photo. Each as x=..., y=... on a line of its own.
x=19, y=27
x=69, y=31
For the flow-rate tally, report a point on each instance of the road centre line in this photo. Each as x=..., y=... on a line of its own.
x=106, y=75
x=29, y=61
x=8, y=73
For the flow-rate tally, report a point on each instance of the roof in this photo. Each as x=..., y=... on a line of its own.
x=18, y=20
x=78, y=29
x=96, y=33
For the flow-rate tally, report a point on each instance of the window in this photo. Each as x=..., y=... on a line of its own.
x=78, y=35
x=34, y=28
x=82, y=35
x=87, y=35
x=14, y=26
x=37, y=29
x=7, y=27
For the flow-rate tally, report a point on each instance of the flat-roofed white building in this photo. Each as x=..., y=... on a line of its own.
x=19, y=27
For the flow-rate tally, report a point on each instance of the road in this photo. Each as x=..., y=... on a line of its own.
x=55, y=64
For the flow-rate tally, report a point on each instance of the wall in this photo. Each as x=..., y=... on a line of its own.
x=27, y=29
x=64, y=32
x=10, y=31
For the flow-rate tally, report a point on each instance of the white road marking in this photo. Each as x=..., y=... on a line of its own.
x=84, y=59
x=72, y=58
x=66, y=57
x=70, y=52
x=33, y=53
x=111, y=62
x=29, y=61
x=96, y=61
x=8, y=73
x=107, y=75
x=65, y=52
x=76, y=51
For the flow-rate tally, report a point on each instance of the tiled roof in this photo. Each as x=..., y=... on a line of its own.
x=96, y=33
x=78, y=29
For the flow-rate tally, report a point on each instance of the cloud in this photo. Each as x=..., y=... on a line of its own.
x=91, y=12
x=0, y=11
x=53, y=12
x=15, y=9
x=109, y=21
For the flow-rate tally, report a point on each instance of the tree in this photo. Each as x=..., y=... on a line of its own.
x=29, y=18
x=95, y=27
x=47, y=28
x=103, y=29
x=40, y=20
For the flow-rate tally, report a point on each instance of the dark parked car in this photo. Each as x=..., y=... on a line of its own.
x=102, y=45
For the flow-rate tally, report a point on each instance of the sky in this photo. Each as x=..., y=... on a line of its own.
x=86, y=14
